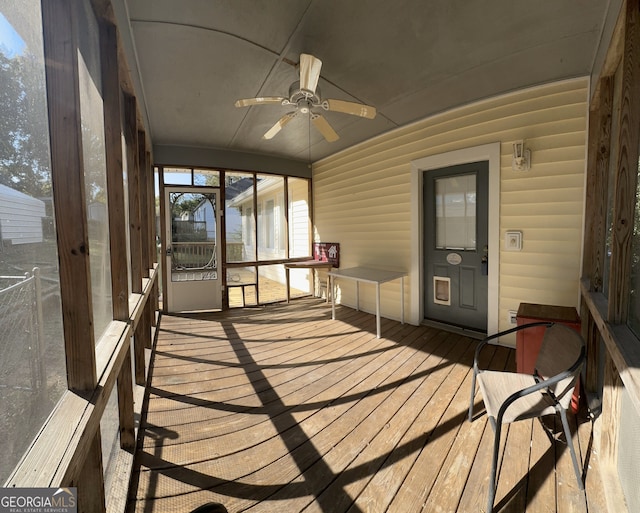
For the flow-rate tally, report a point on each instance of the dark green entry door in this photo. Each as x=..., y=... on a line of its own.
x=455, y=245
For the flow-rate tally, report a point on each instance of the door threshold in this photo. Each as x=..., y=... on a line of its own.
x=460, y=330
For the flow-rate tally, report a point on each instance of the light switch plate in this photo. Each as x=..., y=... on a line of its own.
x=513, y=241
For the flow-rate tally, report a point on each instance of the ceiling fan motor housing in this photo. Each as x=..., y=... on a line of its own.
x=304, y=98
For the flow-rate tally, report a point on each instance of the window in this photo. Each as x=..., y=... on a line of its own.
x=32, y=362
x=299, y=236
x=271, y=220
x=456, y=212
x=239, y=217
x=95, y=171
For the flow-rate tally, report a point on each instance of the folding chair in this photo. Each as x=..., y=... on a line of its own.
x=509, y=396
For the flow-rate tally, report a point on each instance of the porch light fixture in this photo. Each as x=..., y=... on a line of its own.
x=521, y=157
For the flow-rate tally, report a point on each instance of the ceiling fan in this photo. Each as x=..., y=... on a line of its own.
x=304, y=95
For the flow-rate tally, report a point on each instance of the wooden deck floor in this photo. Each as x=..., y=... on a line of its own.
x=281, y=409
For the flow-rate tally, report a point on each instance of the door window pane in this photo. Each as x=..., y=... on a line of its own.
x=455, y=201
x=32, y=362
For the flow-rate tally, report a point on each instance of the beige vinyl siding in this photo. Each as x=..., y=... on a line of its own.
x=362, y=196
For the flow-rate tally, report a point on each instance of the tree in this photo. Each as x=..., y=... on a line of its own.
x=24, y=136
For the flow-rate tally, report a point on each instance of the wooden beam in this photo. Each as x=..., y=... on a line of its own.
x=135, y=240
x=144, y=203
x=597, y=185
x=163, y=238
x=611, y=401
x=111, y=95
x=627, y=169
x=67, y=170
x=91, y=496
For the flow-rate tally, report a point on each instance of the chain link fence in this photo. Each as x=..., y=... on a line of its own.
x=21, y=332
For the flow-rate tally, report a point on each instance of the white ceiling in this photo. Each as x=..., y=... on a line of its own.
x=408, y=58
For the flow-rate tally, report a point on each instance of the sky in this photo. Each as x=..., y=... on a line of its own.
x=11, y=44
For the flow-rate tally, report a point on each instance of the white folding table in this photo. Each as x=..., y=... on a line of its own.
x=367, y=275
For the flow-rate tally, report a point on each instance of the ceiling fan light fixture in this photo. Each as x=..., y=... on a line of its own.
x=305, y=95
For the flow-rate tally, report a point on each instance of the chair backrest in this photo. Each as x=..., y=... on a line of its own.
x=562, y=349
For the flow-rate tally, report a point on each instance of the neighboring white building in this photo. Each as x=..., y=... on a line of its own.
x=20, y=217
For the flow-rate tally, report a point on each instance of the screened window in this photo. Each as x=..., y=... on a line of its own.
x=299, y=236
x=271, y=220
x=239, y=217
x=32, y=362
x=92, y=119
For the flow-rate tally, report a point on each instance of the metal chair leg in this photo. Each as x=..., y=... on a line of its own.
x=497, y=428
x=473, y=395
x=567, y=434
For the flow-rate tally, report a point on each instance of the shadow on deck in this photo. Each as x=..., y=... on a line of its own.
x=279, y=408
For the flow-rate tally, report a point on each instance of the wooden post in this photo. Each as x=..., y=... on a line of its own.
x=111, y=94
x=131, y=139
x=597, y=185
x=135, y=230
x=627, y=169
x=143, y=170
x=60, y=20
x=67, y=173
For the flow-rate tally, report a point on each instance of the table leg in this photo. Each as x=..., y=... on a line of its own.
x=378, y=310
x=402, y=300
x=357, y=296
x=286, y=272
x=333, y=301
x=329, y=291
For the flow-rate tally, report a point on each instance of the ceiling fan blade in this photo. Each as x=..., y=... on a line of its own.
x=309, y=72
x=280, y=124
x=263, y=100
x=324, y=127
x=356, y=109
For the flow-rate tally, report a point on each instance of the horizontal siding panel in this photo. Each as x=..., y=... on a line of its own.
x=362, y=196
x=558, y=181
x=524, y=101
x=552, y=269
x=555, y=208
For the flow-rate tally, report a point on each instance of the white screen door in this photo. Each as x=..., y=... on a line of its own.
x=193, y=248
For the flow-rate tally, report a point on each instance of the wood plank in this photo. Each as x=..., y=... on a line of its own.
x=627, y=170
x=441, y=424
x=569, y=496
x=89, y=483
x=449, y=485
x=133, y=182
x=541, y=492
x=69, y=196
x=611, y=403
x=591, y=461
x=597, y=185
x=324, y=419
x=111, y=94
